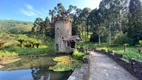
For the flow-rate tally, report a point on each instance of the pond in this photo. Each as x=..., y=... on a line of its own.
x=27, y=68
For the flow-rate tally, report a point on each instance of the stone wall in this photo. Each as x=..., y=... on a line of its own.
x=83, y=72
x=132, y=65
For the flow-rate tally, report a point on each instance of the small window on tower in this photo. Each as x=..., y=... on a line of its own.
x=57, y=28
x=62, y=37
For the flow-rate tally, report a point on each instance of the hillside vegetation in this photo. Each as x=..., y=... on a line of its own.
x=15, y=26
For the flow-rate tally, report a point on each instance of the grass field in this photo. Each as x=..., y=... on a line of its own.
x=131, y=51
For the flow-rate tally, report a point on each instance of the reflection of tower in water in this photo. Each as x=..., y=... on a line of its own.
x=39, y=74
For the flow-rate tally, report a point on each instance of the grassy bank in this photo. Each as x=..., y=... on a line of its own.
x=131, y=51
x=22, y=44
x=68, y=63
x=43, y=50
x=65, y=63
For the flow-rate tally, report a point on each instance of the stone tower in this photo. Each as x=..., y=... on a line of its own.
x=64, y=41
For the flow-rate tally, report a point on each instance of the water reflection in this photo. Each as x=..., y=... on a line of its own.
x=32, y=69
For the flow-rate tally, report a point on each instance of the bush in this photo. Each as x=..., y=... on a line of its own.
x=140, y=41
x=65, y=63
x=78, y=55
x=122, y=39
x=94, y=37
x=7, y=54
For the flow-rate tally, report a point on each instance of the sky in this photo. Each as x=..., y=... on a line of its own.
x=29, y=10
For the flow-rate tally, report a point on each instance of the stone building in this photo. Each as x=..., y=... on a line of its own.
x=64, y=41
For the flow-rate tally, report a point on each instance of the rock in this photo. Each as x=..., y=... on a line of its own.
x=72, y=78
x=86, y=59
x=81, y=49
x=118, y=55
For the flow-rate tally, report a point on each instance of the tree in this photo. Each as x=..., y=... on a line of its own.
x=43, y=27
x=111, y=11
x=76, y=22
x=83, y=22
x=48, y=28
x=60, y=11
x=96, y=21
x=135, y=19
x=21, y=40
x=38, y=24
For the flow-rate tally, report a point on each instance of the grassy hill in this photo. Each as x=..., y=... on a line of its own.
x=15, y=26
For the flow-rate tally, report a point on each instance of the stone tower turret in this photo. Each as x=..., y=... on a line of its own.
x=64, y=41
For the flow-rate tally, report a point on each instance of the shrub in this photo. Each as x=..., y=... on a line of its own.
x=21, y=40
x=33, y=42
x=122, y=39
x=65, y=63
x=140, y=41
x=78, y=55
x=7, y=54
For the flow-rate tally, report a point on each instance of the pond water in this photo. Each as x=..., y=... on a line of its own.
x=32, y=69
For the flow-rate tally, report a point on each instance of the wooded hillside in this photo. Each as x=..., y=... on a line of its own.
x=15, y=26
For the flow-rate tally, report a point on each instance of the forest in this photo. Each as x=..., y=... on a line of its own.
x=115, y=24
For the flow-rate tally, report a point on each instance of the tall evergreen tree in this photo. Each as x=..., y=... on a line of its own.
x=135, y=19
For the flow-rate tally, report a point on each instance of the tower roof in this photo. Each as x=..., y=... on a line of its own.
x=73, y=38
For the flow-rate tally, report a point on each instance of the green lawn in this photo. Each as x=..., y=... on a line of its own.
x=131, y=52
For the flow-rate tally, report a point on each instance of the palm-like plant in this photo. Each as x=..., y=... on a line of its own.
x=21, y=40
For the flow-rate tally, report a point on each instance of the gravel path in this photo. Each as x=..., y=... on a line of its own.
x=104, y=68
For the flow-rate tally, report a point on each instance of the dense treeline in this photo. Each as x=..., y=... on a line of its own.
x=115, y=22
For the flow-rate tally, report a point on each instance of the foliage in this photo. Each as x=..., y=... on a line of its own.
x=12, y=45
x=43, y=50
x=21, y=40
x=14, y=26
x=87, y=37
x=65, y=63
x=7, y=54
x=81, y=24
x=60, y=11
x=78, y=55
x=134, y=30
x=140, y=41
x=90, y=44
x=94, y=37
x=42, y=27
x=122, y=39
x=131, y=51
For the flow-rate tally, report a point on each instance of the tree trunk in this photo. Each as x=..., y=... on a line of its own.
x=87, y=30
x=99, y=39
x=121, y=32
x=99, y=35
x=120, y=26
x=109, y=37
x=82, y=34
x=21, y=44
